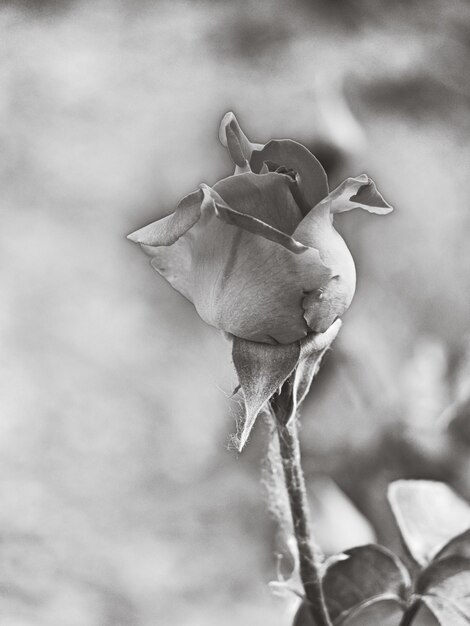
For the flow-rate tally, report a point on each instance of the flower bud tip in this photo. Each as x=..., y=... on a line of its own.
x=142, y=235
x=226, y=120
x=134, y=237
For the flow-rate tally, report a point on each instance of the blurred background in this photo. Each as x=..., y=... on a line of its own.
x=122, y=503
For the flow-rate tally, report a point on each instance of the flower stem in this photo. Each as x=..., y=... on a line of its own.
x=410, y=614
x=310, y=555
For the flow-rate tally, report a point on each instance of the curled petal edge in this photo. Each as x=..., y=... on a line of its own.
x=169, y=229
x=357, y=193
x=234, y=139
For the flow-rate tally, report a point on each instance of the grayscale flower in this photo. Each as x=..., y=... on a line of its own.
x=257, y=254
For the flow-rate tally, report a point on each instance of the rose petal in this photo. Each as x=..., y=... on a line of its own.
x=360, y=192
x=261, y=370
x=232, y=137
x=241, y=282
x=312, y=179
x=246, y=222
x=267, y=197
x=169, y=229
x=323, y=306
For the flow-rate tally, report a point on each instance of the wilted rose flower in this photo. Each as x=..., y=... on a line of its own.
x=258, y=256
x=257, y=253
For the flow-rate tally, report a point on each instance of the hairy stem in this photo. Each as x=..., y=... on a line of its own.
x=310, y=555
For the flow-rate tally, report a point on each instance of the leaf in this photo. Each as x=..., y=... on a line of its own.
x=362, y=577
x=424, y=617
x=262, y=369
x=458, y=417
x=429, y=514
x=458, y=546
x=379, y=613
x=385, y=612
x=303, y=616
x=312, y=350
x=338, y=525
x=445, y=589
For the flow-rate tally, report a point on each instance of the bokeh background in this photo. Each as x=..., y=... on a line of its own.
x=122, y=503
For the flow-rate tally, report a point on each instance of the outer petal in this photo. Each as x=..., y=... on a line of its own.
x=360, y=192
x=323, y=306
x=232, y=137
x=312, y=178
x=241, y=282
x=268, y=198
x=169, y=229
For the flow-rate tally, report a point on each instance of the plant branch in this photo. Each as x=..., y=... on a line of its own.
x=310, y=555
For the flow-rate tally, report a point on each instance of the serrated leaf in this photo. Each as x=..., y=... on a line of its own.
x=429, y=514
x=366, y=575
x=445, y=589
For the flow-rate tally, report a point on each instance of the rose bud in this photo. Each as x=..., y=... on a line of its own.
x=257, y=254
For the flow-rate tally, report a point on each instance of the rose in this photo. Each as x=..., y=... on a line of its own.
x=260, y=259
x=257, y=254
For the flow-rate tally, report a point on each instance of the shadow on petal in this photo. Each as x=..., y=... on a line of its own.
x=249, y=223
x=268, y=197
x=312, y=179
